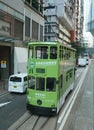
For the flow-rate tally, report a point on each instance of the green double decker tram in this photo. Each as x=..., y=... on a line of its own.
x=51, y=72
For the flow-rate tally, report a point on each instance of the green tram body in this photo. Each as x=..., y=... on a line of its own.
x=51, y=71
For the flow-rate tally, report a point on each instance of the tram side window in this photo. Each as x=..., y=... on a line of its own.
x=61, y=81
x=31, y=82
x=61, y=53
x=69, y=54
x=51, y=84
x=42, y=52
x=53, y=52
x=71, y=74
x=67, y=77
x=40, y=84
x=64, y=54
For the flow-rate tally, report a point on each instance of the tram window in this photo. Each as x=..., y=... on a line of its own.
x=53, y=52
x=40, y=83
x=61, y=53
x=51, y=84
x=31, y=52
x=70, y=74
x=31, y=82
x=69, y=55
x=42, y=52
x=67, y=77
x=64, y=54
x=61, y=81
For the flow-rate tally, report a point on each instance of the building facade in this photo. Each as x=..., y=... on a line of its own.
x=20, y=21
x=59, y=20
x=90, y=23
x=79, y=20
x=63, y=20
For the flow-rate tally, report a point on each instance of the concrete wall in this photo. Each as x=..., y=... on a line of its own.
x=20, y=60
x=15, y=4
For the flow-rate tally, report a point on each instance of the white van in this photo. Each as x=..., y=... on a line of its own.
x=18, y=83
x=82, y=62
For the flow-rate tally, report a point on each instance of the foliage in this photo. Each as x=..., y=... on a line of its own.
x=79, y=49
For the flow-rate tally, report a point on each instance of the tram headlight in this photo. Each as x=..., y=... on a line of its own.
x=39, y=102
x=54, y=109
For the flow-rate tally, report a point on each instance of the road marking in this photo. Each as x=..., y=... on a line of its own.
x=5, y=103
x=68, y=108
x=77, y=75
x=3, y=94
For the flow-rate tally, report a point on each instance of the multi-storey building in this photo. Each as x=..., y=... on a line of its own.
x=64, y=20
x=90, y=22
x=79, y=18
x=59, y=22
x=87, y=36
x=20, y=20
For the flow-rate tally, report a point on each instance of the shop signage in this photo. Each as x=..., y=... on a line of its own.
x=3, y=63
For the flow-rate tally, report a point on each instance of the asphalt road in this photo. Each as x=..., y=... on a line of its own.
x=12, y=107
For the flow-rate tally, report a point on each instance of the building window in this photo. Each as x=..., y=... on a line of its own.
x=35, y=4
x=49, y=28
x=27, y=26
x=45, y=38
x=34, y=30
x=41, y=6
x=46, y=29
x=49, y=38
x=49, y=18
x=41, y=33
x=27, y=1
x=18, y=29
x=5, y=28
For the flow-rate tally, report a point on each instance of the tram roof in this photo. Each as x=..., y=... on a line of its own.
x=50, y=43
x=44, y=43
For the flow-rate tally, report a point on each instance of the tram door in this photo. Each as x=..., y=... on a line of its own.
x=4, y=62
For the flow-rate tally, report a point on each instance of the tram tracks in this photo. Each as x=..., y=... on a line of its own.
x=30, y=122
x=34, y=122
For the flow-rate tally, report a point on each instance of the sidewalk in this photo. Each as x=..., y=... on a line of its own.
x=3, y=86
